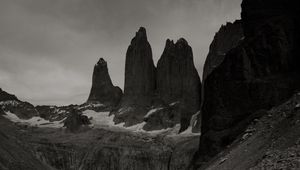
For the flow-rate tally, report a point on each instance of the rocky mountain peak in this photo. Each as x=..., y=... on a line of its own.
x=101, y=62
x=181, y=43
x=140, y=36
x=139, y=67
x=4, y=96
x=178, y=79
x=103, y=90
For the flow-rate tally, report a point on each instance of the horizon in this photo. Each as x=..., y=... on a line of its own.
x=48, y=49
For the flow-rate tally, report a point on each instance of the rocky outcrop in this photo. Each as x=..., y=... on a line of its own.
x=139, y=70
x=4, y=96
x=75, y=120
x=178, y=84
x=139, y=85
x=225, y=39
x=103, y=90
x=257, y=74
x=177, y=77
x=10, y=103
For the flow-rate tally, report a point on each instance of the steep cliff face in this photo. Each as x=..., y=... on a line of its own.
x=102, y=90
x=257, y=74
x=225, y=39
x=10, y=103
x=139, y=70
x=178, y=84
x=139, y=85
x=177, y=77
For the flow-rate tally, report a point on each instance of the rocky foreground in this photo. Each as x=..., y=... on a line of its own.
x=29, y=148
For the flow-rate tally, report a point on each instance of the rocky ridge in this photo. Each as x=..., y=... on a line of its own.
x=258, y=73
x=161, y=97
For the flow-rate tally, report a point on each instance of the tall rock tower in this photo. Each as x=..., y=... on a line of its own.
x=103, y=91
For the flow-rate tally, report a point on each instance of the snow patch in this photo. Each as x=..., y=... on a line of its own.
x=100, y=118
x=34, y=121
x=10, y=103
x=174, y=103
x=152, y=111
x=124, y=110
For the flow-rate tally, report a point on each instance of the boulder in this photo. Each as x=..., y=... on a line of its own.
x=75, y=120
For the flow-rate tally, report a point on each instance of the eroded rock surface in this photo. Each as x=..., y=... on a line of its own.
x=103, y=91
x=257, y=74
x=75, y=120
x=10, y=103
x=139, y=88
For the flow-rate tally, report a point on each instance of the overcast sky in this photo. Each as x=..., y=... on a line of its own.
x=48, y=48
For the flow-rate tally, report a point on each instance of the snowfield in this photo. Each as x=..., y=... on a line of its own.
x=152, y=111
x=34, y=121
x=101, y=120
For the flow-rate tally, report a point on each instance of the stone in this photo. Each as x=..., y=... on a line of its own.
x=75, y=120
x=103, y=91
x=225, y=39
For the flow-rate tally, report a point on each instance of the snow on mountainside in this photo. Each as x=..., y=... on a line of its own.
x=34, y=121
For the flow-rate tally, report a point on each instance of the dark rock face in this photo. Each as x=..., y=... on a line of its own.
x=139, y=81
x=257, y=74
x=177, y=82
x=225, y=39
x=103, y=90
x=11, y=103
x=139, y=68
x=75, y=120
x=4, y=96
x=177, y=77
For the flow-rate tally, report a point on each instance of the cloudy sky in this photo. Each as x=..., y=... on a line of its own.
x=48, y=47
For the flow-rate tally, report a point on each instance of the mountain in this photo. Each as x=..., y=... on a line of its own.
x=139, y=84
x=10, y=103
x=257, y=74
x=177, y=84
x=103, y=91
x=159, y=97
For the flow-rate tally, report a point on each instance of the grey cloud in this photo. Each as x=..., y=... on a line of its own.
x=48, y=47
